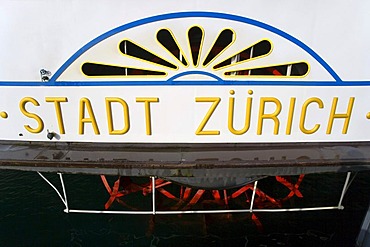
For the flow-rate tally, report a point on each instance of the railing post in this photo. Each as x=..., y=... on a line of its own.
x=153, y=194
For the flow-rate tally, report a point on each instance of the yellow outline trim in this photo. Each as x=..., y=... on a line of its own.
x=200, y=45
x=178, y=46
x=269, y=76
x=247, y=60
x=214, y=42
x=157, y=64
x=120, y=76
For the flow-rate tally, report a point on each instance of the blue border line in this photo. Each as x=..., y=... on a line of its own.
x=184, y=83
x=186, y=15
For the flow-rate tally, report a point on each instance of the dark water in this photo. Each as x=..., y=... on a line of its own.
x=31, y=214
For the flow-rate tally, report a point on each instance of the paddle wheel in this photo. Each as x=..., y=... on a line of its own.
x=188, y=198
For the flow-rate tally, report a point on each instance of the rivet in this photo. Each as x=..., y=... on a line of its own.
x=3, y=114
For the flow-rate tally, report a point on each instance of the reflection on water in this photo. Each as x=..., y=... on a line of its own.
x=31, y=214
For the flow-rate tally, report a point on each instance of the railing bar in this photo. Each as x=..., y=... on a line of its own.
x=108, y=212
x=153, y=194
x=278, y=210
x=344, y=190
x=289, y=70
x=56, y=190
x=125, y=49
x=64, y=190
x=251, y=56
x=253, y=195
x=204, y=211
x=350, y=182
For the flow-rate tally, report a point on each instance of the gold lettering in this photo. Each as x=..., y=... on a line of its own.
x=22, y=107
x=272, y=116
x=85, y=103
x=290, y=116
x=248, y=108
x=112, y=131
x=304, y=113
x=148, y=121
x=200, y=130
x=334, y=115
x=58, y=111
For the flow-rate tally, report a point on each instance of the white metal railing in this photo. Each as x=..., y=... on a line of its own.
x=154, y=211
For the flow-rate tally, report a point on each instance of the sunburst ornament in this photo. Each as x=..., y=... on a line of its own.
x=195, y=35
x=195, y=49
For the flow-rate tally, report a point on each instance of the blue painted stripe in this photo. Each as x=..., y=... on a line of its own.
x=195, y=14
x=182, y=83
x=191, y=72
